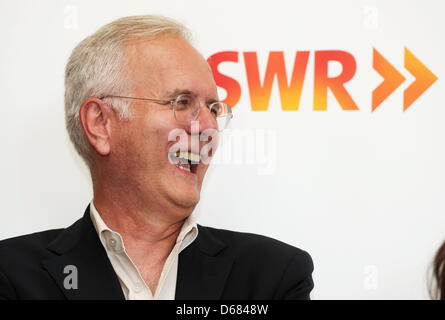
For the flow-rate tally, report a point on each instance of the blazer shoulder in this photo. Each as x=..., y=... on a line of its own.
x=243, y=243
x=266, y=268
x=29, y=244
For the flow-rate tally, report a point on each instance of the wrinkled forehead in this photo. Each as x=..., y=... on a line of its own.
x=167, y=64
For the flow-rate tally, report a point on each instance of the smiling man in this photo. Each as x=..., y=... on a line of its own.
x=143, y=112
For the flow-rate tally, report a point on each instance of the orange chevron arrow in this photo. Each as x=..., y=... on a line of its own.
x=392, y=79
x=424, y=79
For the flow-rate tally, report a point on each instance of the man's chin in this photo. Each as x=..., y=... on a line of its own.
x=186, y=201
x=183, y=194
x=189, y=203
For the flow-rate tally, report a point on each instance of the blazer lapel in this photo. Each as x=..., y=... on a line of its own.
x=79, y=246
x=203, y=268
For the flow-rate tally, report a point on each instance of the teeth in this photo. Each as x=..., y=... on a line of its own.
x=184, y=168
x=189, y=156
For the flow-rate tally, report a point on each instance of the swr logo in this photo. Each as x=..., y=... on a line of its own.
x=290, y=91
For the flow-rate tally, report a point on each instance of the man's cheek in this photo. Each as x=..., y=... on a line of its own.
x=208, y=151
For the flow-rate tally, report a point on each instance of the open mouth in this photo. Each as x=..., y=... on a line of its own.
x=185, y=160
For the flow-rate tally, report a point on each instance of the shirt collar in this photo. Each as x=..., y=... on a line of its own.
x=112, y=240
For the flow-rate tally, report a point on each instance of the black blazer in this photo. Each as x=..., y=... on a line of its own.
x=219, y=264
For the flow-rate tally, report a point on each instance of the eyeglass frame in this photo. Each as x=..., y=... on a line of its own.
x=173, y=103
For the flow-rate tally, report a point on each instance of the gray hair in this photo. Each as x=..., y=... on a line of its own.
x=96, y=68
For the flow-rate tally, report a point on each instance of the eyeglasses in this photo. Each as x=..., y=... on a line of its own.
x=186, y=108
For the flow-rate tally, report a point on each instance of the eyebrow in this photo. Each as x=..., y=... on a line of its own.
x=176, y=92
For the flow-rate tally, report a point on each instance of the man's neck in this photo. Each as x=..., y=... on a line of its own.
x=140, y=225
x=148, y=239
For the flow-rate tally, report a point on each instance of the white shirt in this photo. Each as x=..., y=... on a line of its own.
x=132, y=283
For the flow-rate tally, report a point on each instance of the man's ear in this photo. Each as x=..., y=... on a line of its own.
x=95, y=116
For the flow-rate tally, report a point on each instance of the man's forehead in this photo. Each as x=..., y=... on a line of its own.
x=172, y=62
x=163, y=50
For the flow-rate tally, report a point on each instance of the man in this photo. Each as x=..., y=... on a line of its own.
x=142, y=110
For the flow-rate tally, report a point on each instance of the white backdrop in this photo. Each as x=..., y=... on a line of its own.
x=363, y=192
